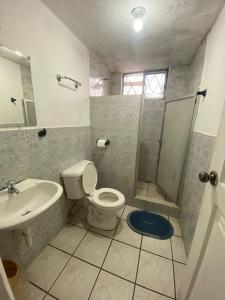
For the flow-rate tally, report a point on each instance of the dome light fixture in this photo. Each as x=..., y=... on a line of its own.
x=138, y=13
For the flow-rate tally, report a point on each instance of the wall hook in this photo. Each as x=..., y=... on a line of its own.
x=202, y=93
x=42, y=132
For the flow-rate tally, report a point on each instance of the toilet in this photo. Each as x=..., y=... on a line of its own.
x=80, y=181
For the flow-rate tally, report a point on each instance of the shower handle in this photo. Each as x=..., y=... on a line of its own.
x=212, y=177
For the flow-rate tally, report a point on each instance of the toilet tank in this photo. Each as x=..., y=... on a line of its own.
x=72, y=178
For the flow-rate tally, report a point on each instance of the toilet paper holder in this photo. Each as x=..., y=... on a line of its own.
x=107, y=142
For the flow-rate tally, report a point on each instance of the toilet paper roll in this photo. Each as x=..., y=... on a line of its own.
x=101, y=143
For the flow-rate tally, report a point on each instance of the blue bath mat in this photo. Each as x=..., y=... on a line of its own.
x=150, y=224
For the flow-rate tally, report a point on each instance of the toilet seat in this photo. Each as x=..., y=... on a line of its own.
x=108, y=198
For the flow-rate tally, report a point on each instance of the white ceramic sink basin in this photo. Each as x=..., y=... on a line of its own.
x=35, y=196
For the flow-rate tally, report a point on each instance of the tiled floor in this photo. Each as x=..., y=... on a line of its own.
x=149, y=190
x=83, y=263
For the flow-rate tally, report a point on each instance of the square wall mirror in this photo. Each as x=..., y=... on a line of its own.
x=17, y=106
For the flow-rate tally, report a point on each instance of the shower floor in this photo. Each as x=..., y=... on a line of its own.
x=149, y=196
x=149, y=190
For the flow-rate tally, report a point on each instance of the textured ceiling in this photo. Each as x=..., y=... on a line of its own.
x=173, y=29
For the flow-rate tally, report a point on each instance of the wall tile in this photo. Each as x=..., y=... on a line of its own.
x=150, y=135
x=117, y=163
x=24, y=155
x=13, y=156
x=99, y=108
x=179, y=83
x=193, y=190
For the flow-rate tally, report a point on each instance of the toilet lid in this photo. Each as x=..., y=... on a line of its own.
x=89, y=178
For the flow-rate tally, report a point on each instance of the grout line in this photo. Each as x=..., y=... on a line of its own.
x=179, y=262
x=94, y=284
x=139, y=256
x=60, y=249
x=101, y=268
x=174, y=280
x=67, y=262
x=148, y=189
x=156, y=254
x=107, y=271
x=144, y=287
x=114, y=239
x=122, y=243
x=38, y=287
x=85, y=261
x=47, y=294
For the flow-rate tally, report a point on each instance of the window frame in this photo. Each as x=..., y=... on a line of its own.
x=165, y=71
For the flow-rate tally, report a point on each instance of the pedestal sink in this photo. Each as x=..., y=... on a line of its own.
x=35, y=196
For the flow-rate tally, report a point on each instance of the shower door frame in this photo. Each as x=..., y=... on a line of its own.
x=193, y=119
x=143, y=98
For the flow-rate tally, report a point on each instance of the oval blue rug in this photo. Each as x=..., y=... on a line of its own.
x=150, y=224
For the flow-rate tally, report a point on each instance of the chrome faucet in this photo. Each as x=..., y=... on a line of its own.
x=11, y=186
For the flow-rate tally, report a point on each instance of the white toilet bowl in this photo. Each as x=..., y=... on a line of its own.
x=80, y=180
x=103, y=207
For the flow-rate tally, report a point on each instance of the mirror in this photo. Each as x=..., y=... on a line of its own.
x=17, y=106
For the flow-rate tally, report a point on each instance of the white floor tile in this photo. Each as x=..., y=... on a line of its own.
x=156, y=273
x=125, y=234
x=107, y=233
x=26, y=291
x=46, y=267
x=76, y=281
x=122, y=260
x=93, y=248
x=48, y=297
x=119, y=213
x=160, y=247
x=144, y=294
x=179, y=277
x=110, y=287
x=178, y=249
x=127, y=210
x=68, y=238
x=176, y=226
x=79, y=218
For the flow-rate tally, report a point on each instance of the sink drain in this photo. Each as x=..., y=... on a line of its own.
x=26, y=212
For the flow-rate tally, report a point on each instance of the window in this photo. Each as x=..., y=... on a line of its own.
x=96, y=86
x=152, y=84
x=133, y=84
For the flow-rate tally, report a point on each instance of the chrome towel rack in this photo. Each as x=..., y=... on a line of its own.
x=76, y=83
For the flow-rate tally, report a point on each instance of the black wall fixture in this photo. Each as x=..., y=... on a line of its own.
x=42, y=132
x=13, y=100
x=202, y=93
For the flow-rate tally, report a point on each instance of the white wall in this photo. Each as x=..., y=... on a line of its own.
x=213, y=78
x=28, y=26
x=11, y=86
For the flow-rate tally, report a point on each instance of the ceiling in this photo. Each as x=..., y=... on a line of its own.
x=173, y=30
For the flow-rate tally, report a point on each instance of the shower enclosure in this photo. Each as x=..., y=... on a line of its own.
x=165, y=127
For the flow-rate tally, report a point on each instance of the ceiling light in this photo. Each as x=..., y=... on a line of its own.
x=138, y=25
x=138, y=13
